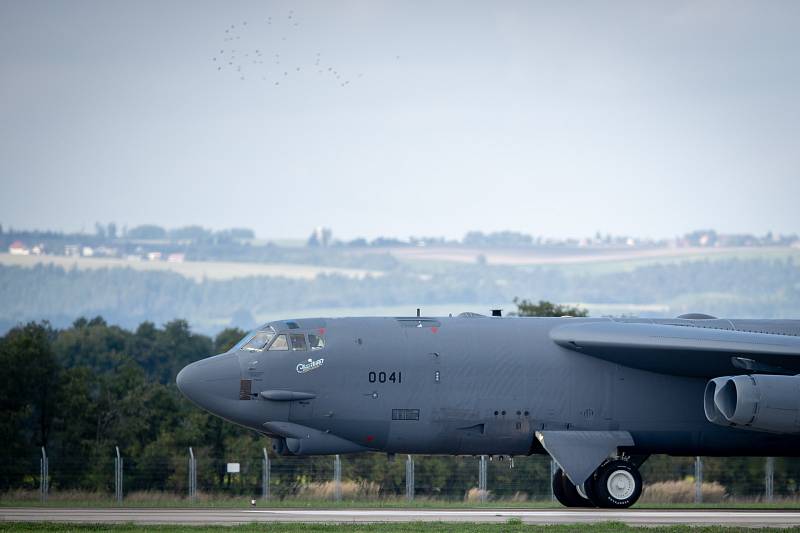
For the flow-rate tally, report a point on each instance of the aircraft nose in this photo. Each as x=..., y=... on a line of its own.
x=186, y=379
x=211, y=382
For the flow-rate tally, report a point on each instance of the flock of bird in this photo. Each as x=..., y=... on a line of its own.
x=240, y=58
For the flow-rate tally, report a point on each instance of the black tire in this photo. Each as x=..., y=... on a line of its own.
x=566, y=493
x=615, y=485
x=588, y=489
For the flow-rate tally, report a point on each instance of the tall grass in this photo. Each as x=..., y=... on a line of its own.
x=350, y=490
x=682, y=491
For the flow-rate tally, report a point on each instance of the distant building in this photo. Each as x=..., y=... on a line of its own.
x=154, y=256
x=72, y=250
x=106, y=251
x=175, y=258
x=17, y=248
x=87, y=251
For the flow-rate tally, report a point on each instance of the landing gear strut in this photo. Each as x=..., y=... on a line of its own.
x=616, y=484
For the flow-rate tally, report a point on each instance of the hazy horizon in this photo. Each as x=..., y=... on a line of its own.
x=552, y=119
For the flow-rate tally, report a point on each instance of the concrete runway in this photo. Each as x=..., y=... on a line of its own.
x=533, y=516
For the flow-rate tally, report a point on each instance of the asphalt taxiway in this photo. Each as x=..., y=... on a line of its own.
x=741, y=518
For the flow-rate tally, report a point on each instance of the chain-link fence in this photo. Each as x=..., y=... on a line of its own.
x=197, y=476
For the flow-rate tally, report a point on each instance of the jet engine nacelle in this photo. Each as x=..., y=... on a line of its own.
x=303, y=440
x=756, y=402
x=279, y=446
x=317, y=443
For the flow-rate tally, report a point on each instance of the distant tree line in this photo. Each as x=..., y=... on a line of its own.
x=109, y=234
x=547, y=309
x=729, y=288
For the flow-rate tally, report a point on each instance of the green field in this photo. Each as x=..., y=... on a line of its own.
x=510, y=526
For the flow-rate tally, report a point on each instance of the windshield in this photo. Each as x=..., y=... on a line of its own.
x=259, y=340
x=242, y=342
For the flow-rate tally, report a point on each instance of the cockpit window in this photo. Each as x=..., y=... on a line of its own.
x=279, y=344
x=316, y=342
x=259, y=340
x=298, y=342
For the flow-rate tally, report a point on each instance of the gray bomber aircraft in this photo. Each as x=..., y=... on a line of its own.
x=598, y=395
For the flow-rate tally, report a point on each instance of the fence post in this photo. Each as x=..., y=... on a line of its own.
x=482, y=479
x=192, y=476
x=410, y=478
x=43, y=476
x=118, y=475
x=552, y=476
x=265, y=472
x=698, y=479
x=769, y=478
x=337, y=478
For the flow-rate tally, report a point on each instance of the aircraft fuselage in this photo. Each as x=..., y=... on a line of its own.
x=459, y=385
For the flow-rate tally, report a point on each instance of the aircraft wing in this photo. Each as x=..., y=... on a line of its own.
x=682, y=350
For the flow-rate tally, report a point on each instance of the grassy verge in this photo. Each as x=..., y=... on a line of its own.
x=510, y=526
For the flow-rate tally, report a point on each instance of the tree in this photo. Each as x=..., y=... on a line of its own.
x=227, y=339
x=545, y=308
x=147, y=232
x=75, y=424
x=190, y=233
x=91, y=343
x=320, y=237
x=29, y=383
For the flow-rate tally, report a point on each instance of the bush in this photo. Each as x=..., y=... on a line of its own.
x=682, y=491
x=351, y=490
x=475, y=495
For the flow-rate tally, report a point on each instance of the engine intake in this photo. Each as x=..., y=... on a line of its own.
x=279, y=446
x=759, y=402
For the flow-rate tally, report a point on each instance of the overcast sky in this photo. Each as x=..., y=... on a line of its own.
x=551, y=118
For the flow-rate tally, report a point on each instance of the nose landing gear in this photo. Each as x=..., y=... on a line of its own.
x=616, y=484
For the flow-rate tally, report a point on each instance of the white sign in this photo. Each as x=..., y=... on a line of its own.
x=233, y=468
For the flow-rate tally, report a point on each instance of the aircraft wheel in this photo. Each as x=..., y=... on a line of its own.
x=615, y=485
x=566, y=493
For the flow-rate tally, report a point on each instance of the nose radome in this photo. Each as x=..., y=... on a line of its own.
x=184, y=379
x=210, y=382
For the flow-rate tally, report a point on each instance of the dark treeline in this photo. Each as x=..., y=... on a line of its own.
x=730, y=288
x=81, y=391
